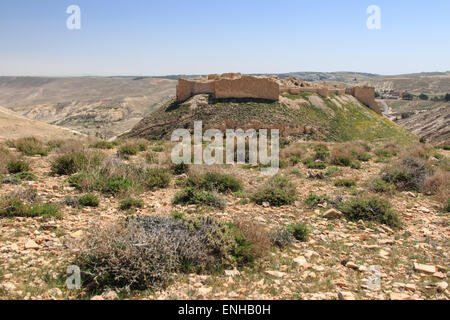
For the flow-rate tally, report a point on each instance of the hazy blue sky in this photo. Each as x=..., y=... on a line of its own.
x=150, y=37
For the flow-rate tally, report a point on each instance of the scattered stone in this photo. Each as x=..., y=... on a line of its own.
x=97, y=298
x=31, y=245
x=277, y=274
x=55, y=292
x=266, y=204
x=301, y=261
x=425, y=268
x=351, y=265
x=110, y=295
x=8, y=286
x=346, y=295
x=439, y=275
x=442, y=286
x=400, y=296
x=333, y=214
x=232, y=273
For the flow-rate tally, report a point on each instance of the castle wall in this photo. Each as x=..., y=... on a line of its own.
x=247, y=87
x=366, y=95
x=233, y=85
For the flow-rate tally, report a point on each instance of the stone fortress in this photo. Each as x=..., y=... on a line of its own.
x=235, y=85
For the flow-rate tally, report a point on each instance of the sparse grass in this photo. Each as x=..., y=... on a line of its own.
x=14, y=207
x=17, y=166
x=115, y=177
x=102, y=145
x=89, y=200
x=345, y=183
x=192, y=196
x=311, y=164
x=370, y=209
x=212, y=181
x=277, y=191
x=26, y=176
x=68, y=164
x=380, y=186
x=130, y=203
x=30, y=146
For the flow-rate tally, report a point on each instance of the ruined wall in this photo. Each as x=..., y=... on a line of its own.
x=188, y=88
x=247, y=87
x=365, y=95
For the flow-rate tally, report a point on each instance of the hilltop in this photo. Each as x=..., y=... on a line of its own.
x=308, y=115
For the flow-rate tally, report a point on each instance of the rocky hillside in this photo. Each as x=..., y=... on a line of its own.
x=338, y=118
x=93, y=105
x=322, y=229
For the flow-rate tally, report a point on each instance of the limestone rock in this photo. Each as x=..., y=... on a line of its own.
x=425, y=268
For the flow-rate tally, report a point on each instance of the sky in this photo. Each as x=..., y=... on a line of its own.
x=162, y=37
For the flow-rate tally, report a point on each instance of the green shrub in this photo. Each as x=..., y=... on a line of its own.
x=130, y=203
x=355, y=165
x=89, y=200
x=380, y=186
x=322, y=152
x=114, y=185
x=300, y=231
x=156, y=178
x=192, y=196
x=311, y=164
x=102, y=145
x=370, y=209
x=129, y=149
x=447, y=205
x=277, y=191
x=158, y=149
x=180, y=168
x=30, y=146
x=16, y=166
x=408, y=174
x=313, y=200
x=345, y=183
x=211, y=181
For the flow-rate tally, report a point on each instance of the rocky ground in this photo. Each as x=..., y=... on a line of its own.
x=335, y=263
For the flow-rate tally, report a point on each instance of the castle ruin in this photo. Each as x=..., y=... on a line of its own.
x=235, y=85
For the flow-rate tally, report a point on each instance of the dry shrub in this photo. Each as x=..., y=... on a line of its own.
x=293, y=154
x=417, y=151
x=144, y=252
x=438, y=185
x=256, y=235
x=407, y=174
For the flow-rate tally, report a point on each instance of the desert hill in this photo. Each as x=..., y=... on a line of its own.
x=338, y=118
x=93, y=105
x=13, y=126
